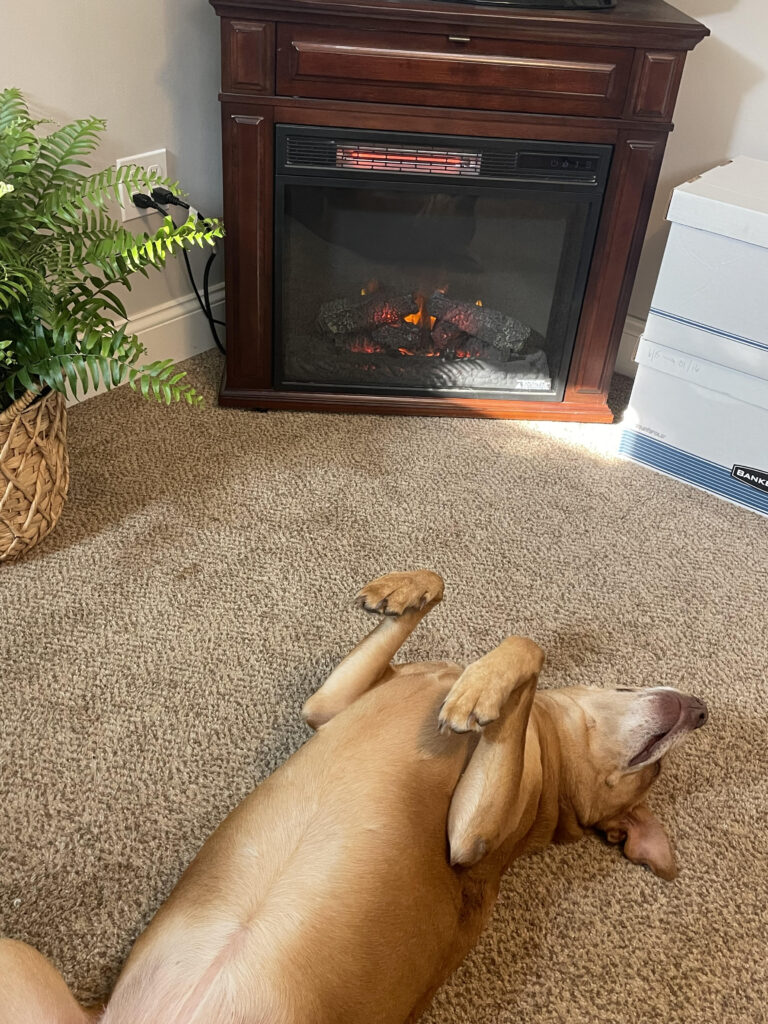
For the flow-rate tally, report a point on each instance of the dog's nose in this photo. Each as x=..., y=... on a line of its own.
x=699, y=712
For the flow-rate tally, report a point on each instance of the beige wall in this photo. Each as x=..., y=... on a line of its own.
x=151, y=67
x=722, y=111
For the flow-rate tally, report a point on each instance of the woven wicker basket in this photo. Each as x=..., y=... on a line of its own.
x=34, y=470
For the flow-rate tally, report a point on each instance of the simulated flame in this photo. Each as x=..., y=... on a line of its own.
x=421, y=318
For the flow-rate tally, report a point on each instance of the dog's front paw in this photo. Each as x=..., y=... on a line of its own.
x=400, y=592
x=473, y=701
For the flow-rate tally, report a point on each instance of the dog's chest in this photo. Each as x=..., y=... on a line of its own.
x=477, y=896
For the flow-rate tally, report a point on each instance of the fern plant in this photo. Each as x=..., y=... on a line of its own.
x=62, y=257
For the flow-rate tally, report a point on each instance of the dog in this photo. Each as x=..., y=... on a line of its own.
x=351, y=883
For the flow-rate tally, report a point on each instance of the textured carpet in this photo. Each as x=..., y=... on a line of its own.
x=157, y=649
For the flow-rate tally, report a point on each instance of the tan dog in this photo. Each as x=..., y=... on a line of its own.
x=349, y=885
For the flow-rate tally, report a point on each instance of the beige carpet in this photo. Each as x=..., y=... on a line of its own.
x=156, y=651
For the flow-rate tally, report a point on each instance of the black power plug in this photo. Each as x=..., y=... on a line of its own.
x=167, y=198
x=145, y=202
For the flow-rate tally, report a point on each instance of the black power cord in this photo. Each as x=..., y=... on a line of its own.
x=157, y=201
x=167, y=198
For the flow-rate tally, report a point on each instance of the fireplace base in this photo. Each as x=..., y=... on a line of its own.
x=596, y=411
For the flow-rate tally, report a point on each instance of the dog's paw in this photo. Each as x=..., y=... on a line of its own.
x=400, y=592
x=472, y=702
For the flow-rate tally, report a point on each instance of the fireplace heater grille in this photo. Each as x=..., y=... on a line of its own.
x=410, y=161
x=315, y=152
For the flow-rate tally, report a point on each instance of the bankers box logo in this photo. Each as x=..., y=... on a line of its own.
x=754, y=477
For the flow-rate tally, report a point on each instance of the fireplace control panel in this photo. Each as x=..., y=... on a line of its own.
x=556, y=162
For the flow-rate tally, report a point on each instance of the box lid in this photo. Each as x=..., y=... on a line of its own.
x=729, y=200
x=717, y=346
x=743, y=387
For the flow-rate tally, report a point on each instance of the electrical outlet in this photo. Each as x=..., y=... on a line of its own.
x=155, y=162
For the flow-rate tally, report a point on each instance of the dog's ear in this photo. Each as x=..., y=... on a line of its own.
x=645, y=841
x=503, y=777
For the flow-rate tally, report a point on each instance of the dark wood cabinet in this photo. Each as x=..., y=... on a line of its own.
x=603, y=77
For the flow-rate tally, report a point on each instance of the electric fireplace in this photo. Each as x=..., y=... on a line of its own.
x=423, y=264
x=436, y=207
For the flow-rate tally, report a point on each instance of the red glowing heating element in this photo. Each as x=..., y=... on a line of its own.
x=408, y=161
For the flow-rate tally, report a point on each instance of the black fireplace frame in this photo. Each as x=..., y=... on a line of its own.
x=566, y=180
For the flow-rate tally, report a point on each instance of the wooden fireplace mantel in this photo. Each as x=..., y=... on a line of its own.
x=607, y=77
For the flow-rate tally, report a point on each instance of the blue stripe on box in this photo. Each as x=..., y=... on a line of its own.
x=710, y=330
x=706, y=475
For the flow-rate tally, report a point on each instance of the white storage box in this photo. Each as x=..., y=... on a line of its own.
x=699, y=406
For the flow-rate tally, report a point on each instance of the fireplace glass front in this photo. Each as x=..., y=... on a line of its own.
x=424, y=265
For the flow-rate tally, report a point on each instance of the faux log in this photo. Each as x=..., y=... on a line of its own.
x=387, y=338
x=350, y=316
x=491, y=326
x=392, y=337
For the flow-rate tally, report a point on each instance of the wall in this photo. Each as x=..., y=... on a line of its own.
x=150, y=67
x=722, y=111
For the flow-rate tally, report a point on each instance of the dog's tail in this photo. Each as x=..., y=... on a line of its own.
x=33, y=991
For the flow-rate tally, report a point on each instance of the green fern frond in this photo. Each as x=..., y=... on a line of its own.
x=13, y=107
x=113, y=258
x=91, y=297
x=66, y=360
x=127, y=253
x=58, y=156
x=159, y=379
x=16, y=285
x=19, y=149
x=76, y=198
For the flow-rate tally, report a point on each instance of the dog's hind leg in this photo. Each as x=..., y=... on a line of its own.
x=32, y=991
x=402, y=599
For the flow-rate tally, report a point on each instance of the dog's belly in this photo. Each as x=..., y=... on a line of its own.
x=326, y=896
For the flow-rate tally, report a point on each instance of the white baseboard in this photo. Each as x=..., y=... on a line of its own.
x=630, y=338
x=173, y=330
x=176, y=330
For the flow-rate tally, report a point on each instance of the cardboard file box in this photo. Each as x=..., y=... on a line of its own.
x=699, y=405
x=701, y=422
